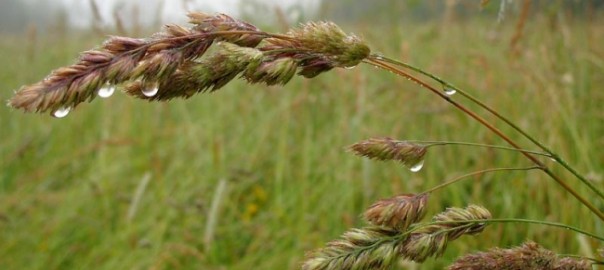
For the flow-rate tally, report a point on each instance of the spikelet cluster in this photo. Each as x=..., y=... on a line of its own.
x=320, y=46
x=528, y=256
x=398, y=212
x=379, y=246
x=431, y=240
x=409, y=154
x=175, y=64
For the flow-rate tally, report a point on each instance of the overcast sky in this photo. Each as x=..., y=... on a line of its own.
x=79, y=11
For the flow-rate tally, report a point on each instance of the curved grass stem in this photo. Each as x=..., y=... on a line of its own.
x=386, y=66
x=467, y=95
x=439, y=143
x=465, y=176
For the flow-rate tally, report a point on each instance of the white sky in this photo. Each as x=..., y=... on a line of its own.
x=80, y=14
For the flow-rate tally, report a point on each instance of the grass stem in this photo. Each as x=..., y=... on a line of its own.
x=467, y=95
x=462, y=177
x=378, y=62
x=439, y=143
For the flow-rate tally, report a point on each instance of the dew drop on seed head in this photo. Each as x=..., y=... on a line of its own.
x=106, y=91
x=417, y=167
x=61, y=112
x=149, y=92
x=450, y=91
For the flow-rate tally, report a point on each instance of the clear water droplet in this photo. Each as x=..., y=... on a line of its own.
x=61, y=112
x=350, y=67
x=417, y=167
x=450, y=91
x=106, y=91
x=151, y=91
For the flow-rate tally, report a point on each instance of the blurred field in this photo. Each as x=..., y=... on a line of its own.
x=270, y=161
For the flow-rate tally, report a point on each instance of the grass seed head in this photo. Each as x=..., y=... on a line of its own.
x=224, y=23
x=346, y=50
x=367, y=248
x=529, y=255
x=397, y=212
x=122, y=60
x=409, y=154
x=174, y=61
x=572, y=264
x=272, y=71
x=431, y=240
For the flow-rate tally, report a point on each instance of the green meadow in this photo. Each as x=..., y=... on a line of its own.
x=253, y=177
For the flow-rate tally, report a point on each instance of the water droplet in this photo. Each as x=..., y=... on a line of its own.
x=61, y=112
x=417, y=167
x=106, y=91
x=450, y=91
x=350, y=67
x=151, y=91
x=552, y=159
x=379, y=57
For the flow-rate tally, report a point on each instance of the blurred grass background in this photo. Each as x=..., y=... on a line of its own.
x=254, y=177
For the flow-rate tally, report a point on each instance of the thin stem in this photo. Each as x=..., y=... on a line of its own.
x=520, y=220
x=462, y=177
x=467, y=95
x=438, y=143
x=383, y=65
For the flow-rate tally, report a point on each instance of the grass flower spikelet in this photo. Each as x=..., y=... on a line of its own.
x=407, y=153
x=398, y=212
x=431, y=240
x=528, y=256
x=378, y=247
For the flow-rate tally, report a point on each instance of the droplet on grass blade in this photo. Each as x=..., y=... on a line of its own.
x=151, y=91
x=450, y=91
x=61, y=112
x=417, y=167
x=106, y=91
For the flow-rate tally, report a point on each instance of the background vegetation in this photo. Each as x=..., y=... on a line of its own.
x=255, y=176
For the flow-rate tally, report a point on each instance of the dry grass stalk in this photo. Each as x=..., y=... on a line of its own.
x=379, y=247
x=410, y=154
x=172, y=62
x=529, y=255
